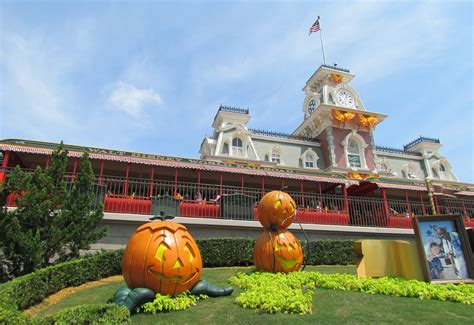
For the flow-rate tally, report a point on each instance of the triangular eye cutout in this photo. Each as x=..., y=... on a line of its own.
x=161, y=251
x=277, y=204
x=188, y=249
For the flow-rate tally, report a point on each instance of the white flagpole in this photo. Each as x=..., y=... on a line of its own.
x=322, y=45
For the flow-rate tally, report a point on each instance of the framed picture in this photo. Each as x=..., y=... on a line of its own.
x=444, y=249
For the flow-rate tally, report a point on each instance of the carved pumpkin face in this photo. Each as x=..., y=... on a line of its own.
x=285, y=255
x=162, y=256
x=277, y=208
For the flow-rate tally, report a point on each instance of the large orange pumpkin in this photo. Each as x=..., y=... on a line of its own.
x=277, y=251
x=162, y=256
x=276, y=210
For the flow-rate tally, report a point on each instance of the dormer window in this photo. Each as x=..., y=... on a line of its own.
x=442, y=168
x=353, y=155
x=309, y=161
x=237, y=149
x=276, y=157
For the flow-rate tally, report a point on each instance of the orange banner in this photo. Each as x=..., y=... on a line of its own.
x=367, y=120
x=342, y=116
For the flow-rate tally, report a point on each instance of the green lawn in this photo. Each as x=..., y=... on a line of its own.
x=328, y=306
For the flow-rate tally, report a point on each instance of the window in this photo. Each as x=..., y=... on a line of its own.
x=276, y=157
x=225, y=149
x=311, y=106
x=441, y=168
x=353, y=155
x=237, y=147
x=309, y=161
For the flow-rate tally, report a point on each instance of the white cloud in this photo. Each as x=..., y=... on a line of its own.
x=131, y=100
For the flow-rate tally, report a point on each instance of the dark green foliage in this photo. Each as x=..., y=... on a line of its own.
x=89, y=314
x=329, y=252
x=51, y=224
x=30, y=289
x=238, y=251
x=77, y=216
x=226, y=251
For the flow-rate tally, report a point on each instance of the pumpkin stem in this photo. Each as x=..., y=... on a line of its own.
x=284, y=187
x=274, y=227
x=162, y=216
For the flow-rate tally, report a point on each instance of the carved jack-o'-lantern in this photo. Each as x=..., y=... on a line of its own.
x=276, y=210
x=162, y=256
x=277, y=251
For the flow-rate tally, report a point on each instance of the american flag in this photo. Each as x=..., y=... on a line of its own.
x=315, y=27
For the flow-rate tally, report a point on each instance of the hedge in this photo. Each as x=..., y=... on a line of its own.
x=238, y=251
x=89, y=314
x=32, y=288
x=28, y=290
x=226, y=251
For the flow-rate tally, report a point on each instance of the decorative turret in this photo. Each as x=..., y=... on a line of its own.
x=227, y=115
x=336, y=115
x=423, y=145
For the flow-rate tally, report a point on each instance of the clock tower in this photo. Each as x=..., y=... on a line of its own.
x=335, y=114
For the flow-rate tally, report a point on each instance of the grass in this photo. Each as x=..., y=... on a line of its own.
x=329, y=306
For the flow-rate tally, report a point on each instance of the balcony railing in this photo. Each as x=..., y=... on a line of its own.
x=198, y=200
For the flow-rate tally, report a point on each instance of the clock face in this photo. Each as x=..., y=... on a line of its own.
x=311, y=106
x=345, y=98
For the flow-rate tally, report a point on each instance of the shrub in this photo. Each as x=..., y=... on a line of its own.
x=180, y=301
x=30, y=289
x=238, y=251
x=226, y=251
x=286, y=292
x=329, y=252
x=89, y=314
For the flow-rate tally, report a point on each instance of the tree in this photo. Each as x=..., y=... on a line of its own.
x=51, y=223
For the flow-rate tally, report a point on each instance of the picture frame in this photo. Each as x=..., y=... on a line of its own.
x=444, y=249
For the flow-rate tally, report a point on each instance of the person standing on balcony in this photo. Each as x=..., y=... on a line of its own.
x=198, y=198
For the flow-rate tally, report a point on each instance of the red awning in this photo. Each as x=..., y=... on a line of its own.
x=402, y=186
x=183, y=164
x=465, y=193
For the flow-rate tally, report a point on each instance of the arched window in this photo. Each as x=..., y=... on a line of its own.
x=309, y=161
x=353, y=154
x=442, y=168
x=276, y=158
x=237, y=147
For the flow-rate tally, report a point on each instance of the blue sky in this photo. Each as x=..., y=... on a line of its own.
x=148, y=76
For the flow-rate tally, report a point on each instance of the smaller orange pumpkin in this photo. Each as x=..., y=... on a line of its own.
x=277, y=251
x=276, y=210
